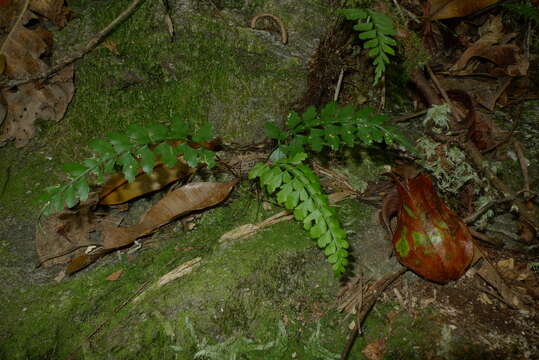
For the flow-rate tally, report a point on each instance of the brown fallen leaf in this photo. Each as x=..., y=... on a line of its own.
x=117, y=190
x=111, y=46
x=446, y=9
x=375, y=350
x=84, y=260
x=60, y=233
x=115, y=275
x=23, y=50
x=188, y=198
x=191, y=197
x=54, y=10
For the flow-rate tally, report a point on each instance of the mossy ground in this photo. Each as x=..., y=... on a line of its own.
x=240, y=294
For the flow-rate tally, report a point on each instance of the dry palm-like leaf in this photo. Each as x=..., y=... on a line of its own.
x=188, y=198
x=23, y=50
x=447, y=9
x=117, y=190
x=430, y=239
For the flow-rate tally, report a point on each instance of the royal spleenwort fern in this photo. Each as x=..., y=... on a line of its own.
x=298, y=188
x=376, y=31
x=138, y=148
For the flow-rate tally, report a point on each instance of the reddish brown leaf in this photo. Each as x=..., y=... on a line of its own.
x=430, y=238
x=446, y=9
x=82, y=261
x=189, y=198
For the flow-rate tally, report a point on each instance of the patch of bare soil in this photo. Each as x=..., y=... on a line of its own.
x=480, y=325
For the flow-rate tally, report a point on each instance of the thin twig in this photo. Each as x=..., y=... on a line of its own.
x=411, y=116
x=377, y=290
x=339, y=84
x=523, y=165
x=67, y=252
x=77, y=54
x=470, y=219
x=456, y=112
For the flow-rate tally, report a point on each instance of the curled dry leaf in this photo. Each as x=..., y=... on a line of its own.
x=188, y=198
x=117, y=190
x=430, y=239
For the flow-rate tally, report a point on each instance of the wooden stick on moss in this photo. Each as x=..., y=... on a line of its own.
x=366, y=305
x=77, y=54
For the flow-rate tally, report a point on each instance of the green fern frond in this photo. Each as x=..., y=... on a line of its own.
x=334, y=128
x=298, y=189
x=525, y=10
x=376, y=31
x=127, y=151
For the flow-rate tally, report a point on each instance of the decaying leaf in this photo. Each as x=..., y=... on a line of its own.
x=188, y=198
x=446, y=9
x=117, y=190
x=115, y=275
x=24, y=49
x=54, y=10
x=59, y=233
x=430, y=239
x=375, y=350
x=509, y=59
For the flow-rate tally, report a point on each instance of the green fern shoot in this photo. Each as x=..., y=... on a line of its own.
x=295, y=184
x=376, y=31
x=138, y=148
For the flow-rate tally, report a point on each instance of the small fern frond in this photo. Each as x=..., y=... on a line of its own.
x=137, y=148
x=376, y=31
x=298, y=189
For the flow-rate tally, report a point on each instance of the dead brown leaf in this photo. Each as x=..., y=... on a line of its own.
x=446, y=9
x=54, y=10
x=115, y=275
x=23, y=51
x=188, y=198
x=113, y=48
x=375, y=350
x=117, y=190
x=59, y=233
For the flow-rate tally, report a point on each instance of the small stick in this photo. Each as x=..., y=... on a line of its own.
x=442, y=91
x=523, y=165
x=339, y=84
x=378, y=289
x=284, y=33
x=77, y=54
x=411, y=116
